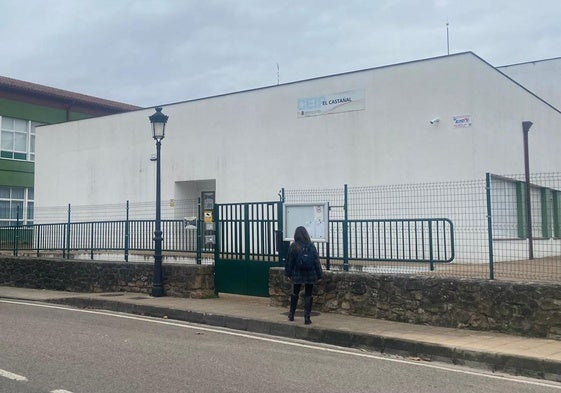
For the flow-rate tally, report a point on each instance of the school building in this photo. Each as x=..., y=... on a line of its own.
x=441, y=119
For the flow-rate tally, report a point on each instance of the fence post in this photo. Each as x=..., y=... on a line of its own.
x=327, y=256
x=281, y=244
x=16, y=232
x=92, y=238
x=328, y=242
x=198, y=240
x=489, y=226
x=246, y=230
x=66, y=250
x=37, y=235
x=217, y=239
x=346, y=229
x=279, y=240
x=127, y=233
x=431, y=248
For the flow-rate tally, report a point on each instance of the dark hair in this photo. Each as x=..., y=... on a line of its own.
x=301, y=236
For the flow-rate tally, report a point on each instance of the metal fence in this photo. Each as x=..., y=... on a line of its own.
x=170, y=210
x=123, y=228
x=490, y=231
x=477, y=228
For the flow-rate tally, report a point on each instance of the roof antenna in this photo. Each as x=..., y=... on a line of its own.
x=278, y=74
x=447, y=38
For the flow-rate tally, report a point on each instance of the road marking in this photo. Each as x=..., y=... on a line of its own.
x=294, y=344
x=9, y=375
x=21, y=378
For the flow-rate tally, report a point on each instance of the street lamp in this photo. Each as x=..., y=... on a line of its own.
x=158, y=121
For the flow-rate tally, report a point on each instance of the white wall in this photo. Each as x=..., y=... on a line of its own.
x=253, y=143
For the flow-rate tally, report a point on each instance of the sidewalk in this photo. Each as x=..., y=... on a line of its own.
x=532, y=357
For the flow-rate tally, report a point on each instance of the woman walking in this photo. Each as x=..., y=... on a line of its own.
x=302, y=267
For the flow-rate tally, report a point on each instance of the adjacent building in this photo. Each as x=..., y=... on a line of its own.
x=542, y=77
x=23, y=107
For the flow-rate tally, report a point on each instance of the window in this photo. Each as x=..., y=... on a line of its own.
x=16, y=205
x=537, y=212
x=17, y=139
x=504, y=202
x=508, y=210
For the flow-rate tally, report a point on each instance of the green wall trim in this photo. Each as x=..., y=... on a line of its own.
x=521, y=209
x=546, y=211
x=17, y=166
x=556, y=213
x=42, y=114
x=15, y=173
x=15, y=179
x=79, y=116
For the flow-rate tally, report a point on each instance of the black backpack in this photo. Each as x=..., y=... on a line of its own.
x=306, y=258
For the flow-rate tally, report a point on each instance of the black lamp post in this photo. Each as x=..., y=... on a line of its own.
x=158, y=121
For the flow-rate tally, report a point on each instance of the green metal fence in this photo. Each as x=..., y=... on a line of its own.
x=91, y=237
x=476, y=229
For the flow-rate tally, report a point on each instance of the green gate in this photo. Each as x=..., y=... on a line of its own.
x=246, y=246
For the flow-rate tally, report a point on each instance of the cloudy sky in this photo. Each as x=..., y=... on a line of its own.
x=148, y=52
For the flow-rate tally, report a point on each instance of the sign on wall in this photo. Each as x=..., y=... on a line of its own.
x=462, y=121
x=353, y=100
x=312, y=216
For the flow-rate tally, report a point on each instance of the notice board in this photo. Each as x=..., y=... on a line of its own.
x=313, y=216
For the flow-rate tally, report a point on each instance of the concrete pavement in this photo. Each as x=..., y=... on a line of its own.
x=532, y=357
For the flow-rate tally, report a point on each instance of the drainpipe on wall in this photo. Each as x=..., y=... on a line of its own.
x=68, y=109
x=526, y=128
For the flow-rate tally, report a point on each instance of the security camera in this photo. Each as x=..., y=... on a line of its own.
x=436, y=120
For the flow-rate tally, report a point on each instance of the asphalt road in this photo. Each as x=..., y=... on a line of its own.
x=46, y=348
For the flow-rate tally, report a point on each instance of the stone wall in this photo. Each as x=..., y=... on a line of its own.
x=181, y=280
x=529, y=309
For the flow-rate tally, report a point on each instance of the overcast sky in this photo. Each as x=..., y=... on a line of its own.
x=146, y=52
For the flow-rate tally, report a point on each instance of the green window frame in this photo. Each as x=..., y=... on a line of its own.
x=508, y=203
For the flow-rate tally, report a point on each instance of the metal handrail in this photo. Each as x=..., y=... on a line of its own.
x=429, y=240
x=395, y=240
x=91, y=236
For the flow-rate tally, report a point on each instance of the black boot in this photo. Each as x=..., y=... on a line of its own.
x=293, y=304
x=307, y=309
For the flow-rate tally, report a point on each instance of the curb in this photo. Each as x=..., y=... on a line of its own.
x=424, y=351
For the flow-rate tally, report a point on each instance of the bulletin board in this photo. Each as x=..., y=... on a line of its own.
x=313, y=216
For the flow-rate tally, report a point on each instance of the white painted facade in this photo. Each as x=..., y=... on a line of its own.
x=251, y=144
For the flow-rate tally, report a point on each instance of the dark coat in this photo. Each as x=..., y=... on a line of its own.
x=297, y=275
